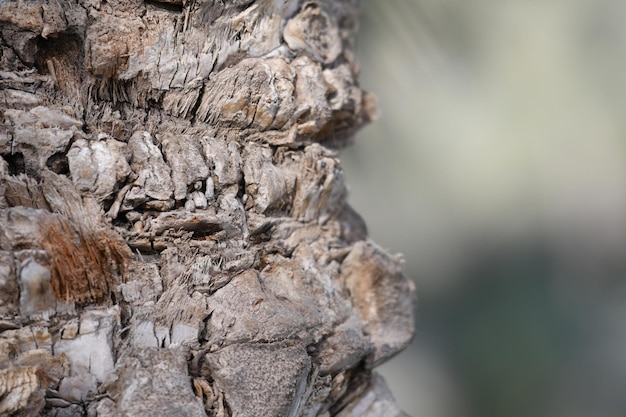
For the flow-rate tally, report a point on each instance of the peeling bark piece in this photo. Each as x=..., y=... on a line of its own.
x=243, y=312
x=25, y=16
x=225, y=156
x=39, y=145
x=55, y=367
x=205, y=274
x=107, y=58
x=144, y=335
x=184, y=156
x=264, y=181
x=347, y=95
x=312, y=111
x=143, y=284
x=180, y=316
x=23, y=191
x=43, y=117
x=14, y=343
x=303, y=282
x=104, y=407
x=98, y=167
x=199, y=200
x=23, y=42
x=383, y=297
x=320, y=191
x=155, y=380
x=266, y=379
x=153, y=174
x=314, y=33
x=344, y=348
x=39, y=134
x=18, y=99
x=20, y=391
x=91, y=352
x=256, y=93
x=348, y=104
x=134, y=198
x=78, y=388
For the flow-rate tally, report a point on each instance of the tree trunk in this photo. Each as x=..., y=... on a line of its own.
x=174, y=234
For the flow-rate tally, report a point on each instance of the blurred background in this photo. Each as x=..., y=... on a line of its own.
x=498, y=168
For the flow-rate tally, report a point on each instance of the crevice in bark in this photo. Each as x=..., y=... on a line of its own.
x=194, y=110
x=169, y=6
x=15, y=163
x=61, y=58
x=357, y=381
x=58, y=163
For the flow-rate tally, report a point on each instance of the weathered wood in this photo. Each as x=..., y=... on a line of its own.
x=174, y=236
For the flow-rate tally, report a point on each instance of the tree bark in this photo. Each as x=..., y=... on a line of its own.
x=174, y=234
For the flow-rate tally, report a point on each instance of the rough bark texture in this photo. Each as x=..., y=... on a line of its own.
x=174, y=235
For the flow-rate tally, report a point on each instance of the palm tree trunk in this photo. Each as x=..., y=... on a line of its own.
x=174, y=236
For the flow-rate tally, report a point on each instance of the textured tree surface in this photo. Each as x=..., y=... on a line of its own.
x=174, y=237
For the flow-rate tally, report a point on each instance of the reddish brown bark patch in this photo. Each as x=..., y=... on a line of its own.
x=86, y=265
